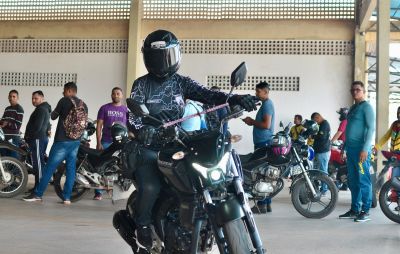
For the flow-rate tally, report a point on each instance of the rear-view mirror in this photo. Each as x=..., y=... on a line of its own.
x=238, y=76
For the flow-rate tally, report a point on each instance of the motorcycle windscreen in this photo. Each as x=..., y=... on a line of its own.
x=207, y=148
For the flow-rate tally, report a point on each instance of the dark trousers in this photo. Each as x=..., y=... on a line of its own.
x=148, y=178
x=38, y=150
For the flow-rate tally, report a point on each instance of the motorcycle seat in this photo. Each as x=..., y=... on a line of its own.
x=91, y=151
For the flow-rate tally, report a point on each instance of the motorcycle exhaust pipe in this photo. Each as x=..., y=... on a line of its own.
x=81, y=179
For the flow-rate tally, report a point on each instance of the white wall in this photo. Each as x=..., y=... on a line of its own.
x=324, y=81
x=97, y=75
x=324, y=85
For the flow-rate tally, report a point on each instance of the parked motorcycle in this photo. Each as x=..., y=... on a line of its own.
x=389, y=198
x=13, y=173
x=313, y=193
x=202, y=201
x=96, y=169
x=337, y=170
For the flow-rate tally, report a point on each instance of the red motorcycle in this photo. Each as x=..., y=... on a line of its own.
x=337, y=170
x=389, y=198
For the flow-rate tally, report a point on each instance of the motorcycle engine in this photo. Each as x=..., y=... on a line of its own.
x=272, y=173
x=178, y=239
x=108, y=180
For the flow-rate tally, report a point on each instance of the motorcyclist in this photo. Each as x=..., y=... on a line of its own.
x=339, y=135
x=394, y=135
x=164, y=92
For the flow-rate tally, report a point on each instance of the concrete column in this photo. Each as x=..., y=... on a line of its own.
x=382, y=60
x=359, y=56
x=134, y=43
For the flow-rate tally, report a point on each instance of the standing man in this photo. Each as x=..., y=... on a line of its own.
x=64, y=147
x=322, y=145
x=263, y=129
x=359, y=134
x=11, y=122
x=107, y=115
x=36, y=133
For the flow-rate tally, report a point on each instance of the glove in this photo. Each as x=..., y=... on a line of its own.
x=247, y=101
x=146, y=134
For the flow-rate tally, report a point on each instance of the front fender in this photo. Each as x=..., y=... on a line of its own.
x=9, y=146
x=311, y=173
x=228, y=210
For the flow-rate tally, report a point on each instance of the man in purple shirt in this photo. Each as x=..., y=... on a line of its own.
x=107, y=115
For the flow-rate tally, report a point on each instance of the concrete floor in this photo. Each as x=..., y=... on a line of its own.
x=86, y=227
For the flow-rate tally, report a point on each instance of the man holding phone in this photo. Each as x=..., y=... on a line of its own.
x=263, y=130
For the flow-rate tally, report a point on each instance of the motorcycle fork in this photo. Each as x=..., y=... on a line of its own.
x=219, y=235
x=3, y=172
x=248, y=218
x=310, y=185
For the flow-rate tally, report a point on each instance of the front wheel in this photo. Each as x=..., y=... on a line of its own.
x=78, y=191
x=237, y=237
x=389, y=202
x=15, y=179
x=319, y=206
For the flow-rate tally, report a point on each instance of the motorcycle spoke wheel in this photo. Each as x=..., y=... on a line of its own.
x=315, y=207
x=18, y=177
x=389, y=202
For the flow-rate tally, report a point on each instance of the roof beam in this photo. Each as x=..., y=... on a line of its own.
x=365, y=12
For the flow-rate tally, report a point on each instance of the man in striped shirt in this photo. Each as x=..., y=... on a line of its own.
x=11, y=122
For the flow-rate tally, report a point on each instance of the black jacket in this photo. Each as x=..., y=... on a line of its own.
x=322, y=143
x=169, y=95
x=38, y=122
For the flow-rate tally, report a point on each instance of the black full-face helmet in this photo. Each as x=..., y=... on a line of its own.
x=311, y=127
x=162, y=53
x=343, y=113
x=119, y=132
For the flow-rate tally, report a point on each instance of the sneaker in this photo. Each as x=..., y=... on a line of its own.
x=98, y=197
x=349, y=215
x=269, y=209
x=144, y=237
x=67, y=202
x=32, y=198
x=260, y=209
x=362, y=217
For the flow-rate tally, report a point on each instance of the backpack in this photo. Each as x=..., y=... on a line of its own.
x=76, y=120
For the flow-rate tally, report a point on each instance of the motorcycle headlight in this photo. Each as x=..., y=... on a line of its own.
x=216, y=174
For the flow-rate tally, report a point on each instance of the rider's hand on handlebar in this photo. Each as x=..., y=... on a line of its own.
x=246, y=101
x=99, y=147
x=146, y=134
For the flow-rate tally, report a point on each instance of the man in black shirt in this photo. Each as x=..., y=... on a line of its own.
x=64, y=147
x=36, y=133
x=322, y=144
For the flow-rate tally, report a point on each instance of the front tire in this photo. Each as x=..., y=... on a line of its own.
x=78, y=191
x=387, y=202
x=303, y=199
x=237, y=237
x=17, y=175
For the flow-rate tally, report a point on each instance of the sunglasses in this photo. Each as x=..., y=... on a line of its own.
x=356, y=90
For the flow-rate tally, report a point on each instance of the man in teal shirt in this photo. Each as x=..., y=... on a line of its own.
x=359, y=134
x=263, y=129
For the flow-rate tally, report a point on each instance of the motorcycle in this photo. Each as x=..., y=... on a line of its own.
x=202, y=201
x=337, y=170
x=389, y=198
x=266, y=168
x=95, y=170
x=13, y=173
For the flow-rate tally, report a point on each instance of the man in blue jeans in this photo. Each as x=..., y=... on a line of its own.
x=322, y=145
x=359, y=134
x=263, y=129
x=64, y=148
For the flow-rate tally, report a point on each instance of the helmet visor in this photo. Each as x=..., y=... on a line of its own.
x=161, y=61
